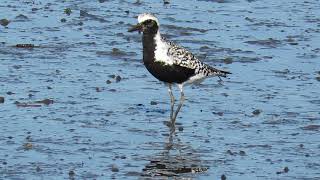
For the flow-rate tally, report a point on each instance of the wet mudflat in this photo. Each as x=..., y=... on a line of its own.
x=77, y=103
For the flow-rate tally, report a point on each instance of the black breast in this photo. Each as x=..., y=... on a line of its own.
x=160, y=70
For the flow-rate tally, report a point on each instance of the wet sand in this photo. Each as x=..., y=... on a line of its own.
x=77, y=103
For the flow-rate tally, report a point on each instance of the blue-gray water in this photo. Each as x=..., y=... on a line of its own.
x=99, y=130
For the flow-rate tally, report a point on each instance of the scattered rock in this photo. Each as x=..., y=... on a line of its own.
x=166, y=2
x=27, y=146
x=118, y=78
x=153, y=103
x=38, y=169
x=25, y=45
x=72, y=173
x=98, y=89
x=223, y=177
x=228, y=60
x=286, y=170
x=312, y=127
x=108, y=82
x=19, y=104
x=256, y=112
x=45, y=101
x=10, y=93
x=230, y=152
x=318, y=78
x=117, y=52
x=21, y=18
x=180, y=128
x=63, y=20
x=4, y=22
x=242, y=153
x=1, y=99
x=112, y=76
x=68, y=11
x=114, y=168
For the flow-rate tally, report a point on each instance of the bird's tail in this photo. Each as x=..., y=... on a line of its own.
x=219, y=73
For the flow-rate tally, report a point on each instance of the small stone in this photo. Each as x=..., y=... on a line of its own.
x=4, y=22
x=242, y=153
x=228, y=60
x=112, y=76
x=256, y=112
x=318, y=78
x=114, y=168
x=286, y=169
x=67, y=11
x=166, y=2
x=230, y=152
x=108, y=82
x=98, y=89
x=72, y=173
x=153, y=103
x=223, y=177
x=180, y=128
x=45, y=101
x=38, y=169
x=1, y=99
x=118, y=78
x=10, y=93
x=27, y=146
x=301, y=145
x=63, y=20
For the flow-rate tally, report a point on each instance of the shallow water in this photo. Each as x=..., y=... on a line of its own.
x=106, y=118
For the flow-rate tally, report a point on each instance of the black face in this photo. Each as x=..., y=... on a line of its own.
x=148, y=27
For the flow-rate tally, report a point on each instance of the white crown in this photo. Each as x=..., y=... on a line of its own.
x=146, y=16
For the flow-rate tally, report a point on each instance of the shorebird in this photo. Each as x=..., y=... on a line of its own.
x=169, y=62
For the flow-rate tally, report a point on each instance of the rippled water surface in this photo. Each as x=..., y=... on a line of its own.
x=79, y=104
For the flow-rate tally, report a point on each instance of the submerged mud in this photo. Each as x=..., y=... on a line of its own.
x=76, y=101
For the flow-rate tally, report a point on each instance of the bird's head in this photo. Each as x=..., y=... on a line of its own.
x=147, y=23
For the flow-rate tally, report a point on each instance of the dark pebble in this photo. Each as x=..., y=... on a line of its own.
x=312, y=127
x=25, y=45
x=98, y=89
x=286, y=169
x=112, y=76
x=1, y=99
x=118, y=78
x=223, y=177
x=180, y=128
x=38, y=169
x=228, y=60
x=256, y=112
x=166, y=2
x=153, y=103
x=10, y=93
x=67, y=11
x=63, y=20
x=71, y=173
x=230, y=152
x=108, y=82
x=318, y=78
x=27, y=146
x=4, y=22
x=45, y=101
x=242, y=153
x=114, y=168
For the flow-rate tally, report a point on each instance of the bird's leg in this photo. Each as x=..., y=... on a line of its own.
x=180, y=104
x=172, y=100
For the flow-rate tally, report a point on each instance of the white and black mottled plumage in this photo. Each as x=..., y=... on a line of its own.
x=169, y=62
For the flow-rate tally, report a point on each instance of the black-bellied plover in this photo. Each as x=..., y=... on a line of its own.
x=170, y=63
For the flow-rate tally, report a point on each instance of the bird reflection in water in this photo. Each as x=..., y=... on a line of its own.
x=176, y=160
